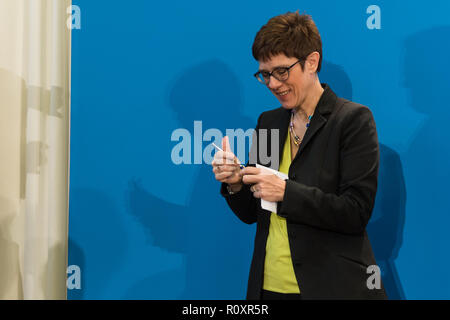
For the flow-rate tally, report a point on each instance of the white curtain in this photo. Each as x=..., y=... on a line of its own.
x=34, y=148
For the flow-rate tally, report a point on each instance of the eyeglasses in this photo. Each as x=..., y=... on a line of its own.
x=280, y=73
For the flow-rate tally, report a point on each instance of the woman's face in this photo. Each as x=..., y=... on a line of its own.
x=292, y=92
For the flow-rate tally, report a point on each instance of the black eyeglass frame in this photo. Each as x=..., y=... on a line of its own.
x=271, y=74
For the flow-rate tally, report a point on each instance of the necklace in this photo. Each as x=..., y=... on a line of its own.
x=297, y=139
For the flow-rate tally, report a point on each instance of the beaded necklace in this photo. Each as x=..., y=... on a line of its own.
x=297, y=139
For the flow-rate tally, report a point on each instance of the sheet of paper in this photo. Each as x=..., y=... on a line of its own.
x=267, y=205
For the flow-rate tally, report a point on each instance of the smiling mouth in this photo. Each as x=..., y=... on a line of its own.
x=283, y=93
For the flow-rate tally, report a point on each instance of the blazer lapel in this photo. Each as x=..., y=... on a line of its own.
x=325, y=106
x=315, y=125
x=283, y=127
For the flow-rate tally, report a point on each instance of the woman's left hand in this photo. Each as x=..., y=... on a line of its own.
x=268, y=187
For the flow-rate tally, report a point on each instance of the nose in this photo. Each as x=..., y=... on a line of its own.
x=274, y=83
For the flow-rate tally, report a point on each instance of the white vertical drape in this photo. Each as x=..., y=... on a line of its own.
x=34, y=148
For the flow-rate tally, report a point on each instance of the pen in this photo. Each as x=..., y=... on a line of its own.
x=240, y=165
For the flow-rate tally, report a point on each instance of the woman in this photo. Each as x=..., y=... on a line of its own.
x=315, y=245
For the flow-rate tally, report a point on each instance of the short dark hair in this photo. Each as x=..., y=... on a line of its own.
x=293, y=34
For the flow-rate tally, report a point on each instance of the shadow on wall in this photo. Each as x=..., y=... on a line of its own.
x=20, y=159
x=13, y=99
x=165, y=226
x=10, y=275
x=388, y=218
x=53, y=275
x=337, y=79
x=99, y=254
x=426, y=67
x=216, y=245
x=386, y=226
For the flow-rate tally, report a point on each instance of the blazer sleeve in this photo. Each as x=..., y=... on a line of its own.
x=243, y=203
x=347, y=211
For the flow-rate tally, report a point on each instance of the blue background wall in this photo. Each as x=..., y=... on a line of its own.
x=142, y=227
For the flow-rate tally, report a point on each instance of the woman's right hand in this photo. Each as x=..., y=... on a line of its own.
x=226, y=166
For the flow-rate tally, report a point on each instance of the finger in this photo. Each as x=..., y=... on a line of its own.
x=251, y=179
x=227, y=149
x=224, y=154
x=230, y=167
x=218, y=157
x=226, y=144
x=223, y=175
x=229, y=158
x=225, y=167
x=230, y=180
x=251, y=171
x=257, y=194
x=222, y=157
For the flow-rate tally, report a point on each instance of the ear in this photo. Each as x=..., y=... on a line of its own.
x=312, y=62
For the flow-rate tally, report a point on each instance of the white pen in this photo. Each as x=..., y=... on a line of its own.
x=240, y=165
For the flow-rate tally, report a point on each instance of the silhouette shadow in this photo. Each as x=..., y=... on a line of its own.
x=386, y=226
x=216, y=245
x=425, y=67
x=11, y=286
x=338, y=80
x=153, y=213
x=100, y=255
x=211, y=255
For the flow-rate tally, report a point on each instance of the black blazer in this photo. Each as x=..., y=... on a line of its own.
x=328, y=201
